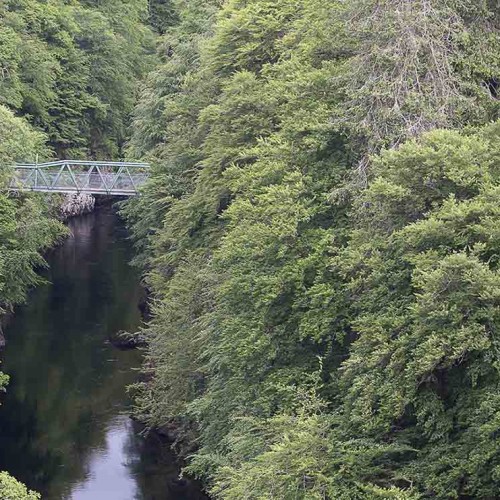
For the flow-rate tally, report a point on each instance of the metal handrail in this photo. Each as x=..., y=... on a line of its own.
x=83, y=163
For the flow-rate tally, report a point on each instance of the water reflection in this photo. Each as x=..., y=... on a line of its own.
x=108, y=475
x=64, y=428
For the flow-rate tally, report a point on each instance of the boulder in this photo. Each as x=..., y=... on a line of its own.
x=125, y=340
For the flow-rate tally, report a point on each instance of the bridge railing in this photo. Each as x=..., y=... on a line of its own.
x=69, y=176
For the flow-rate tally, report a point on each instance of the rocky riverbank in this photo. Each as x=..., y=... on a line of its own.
x=77, y=204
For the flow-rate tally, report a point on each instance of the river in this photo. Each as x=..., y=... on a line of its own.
x=64, y=425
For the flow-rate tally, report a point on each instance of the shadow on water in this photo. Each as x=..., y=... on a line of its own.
x=64, y=428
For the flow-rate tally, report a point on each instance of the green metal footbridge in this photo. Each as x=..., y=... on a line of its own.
x=72, y=176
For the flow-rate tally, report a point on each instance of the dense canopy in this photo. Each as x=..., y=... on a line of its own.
x=320, y=236
x=321, y=239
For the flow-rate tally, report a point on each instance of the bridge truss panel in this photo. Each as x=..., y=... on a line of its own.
x=113, y=178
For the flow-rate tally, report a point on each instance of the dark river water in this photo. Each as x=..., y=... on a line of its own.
x=64, y=425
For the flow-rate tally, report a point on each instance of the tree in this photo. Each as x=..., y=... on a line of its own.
x=10, y=489
x=73, y=70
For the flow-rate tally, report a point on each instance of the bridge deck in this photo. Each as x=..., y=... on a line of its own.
x=69, y=176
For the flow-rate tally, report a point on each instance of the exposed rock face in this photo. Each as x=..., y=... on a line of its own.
x=2, y=339
x=77, y=204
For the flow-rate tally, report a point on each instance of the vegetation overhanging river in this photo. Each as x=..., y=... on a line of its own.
x=64, y=422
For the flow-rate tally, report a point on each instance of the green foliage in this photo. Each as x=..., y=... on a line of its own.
x=72, y=69
x=10, y=489
x=422, y=265
x=26, y=229
x=26, y=225
x=162, y=15
x=164, y=127
x=263, y=255
x=19, y=142
x=4, y=380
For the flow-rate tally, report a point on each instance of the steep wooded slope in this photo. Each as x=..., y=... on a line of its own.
x=322, y=253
